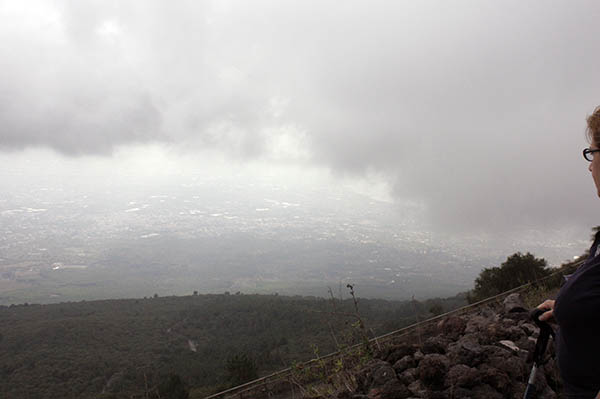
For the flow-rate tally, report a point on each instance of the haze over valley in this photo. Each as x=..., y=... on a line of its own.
x=90, y=237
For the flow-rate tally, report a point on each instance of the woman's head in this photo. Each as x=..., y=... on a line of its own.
x=593, y=133
x=593, y=127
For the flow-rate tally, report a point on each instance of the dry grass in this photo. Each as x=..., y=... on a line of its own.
x=536, y=295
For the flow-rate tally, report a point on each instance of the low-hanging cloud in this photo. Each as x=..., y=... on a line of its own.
x=475, y=109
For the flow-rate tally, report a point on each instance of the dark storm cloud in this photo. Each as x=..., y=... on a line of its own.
x=474, y=108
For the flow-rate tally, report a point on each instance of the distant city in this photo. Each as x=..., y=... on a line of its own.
x=74, y=241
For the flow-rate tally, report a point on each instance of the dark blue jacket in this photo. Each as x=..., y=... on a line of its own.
x=577, y=312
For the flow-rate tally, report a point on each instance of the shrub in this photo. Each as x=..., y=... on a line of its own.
x=518, y=269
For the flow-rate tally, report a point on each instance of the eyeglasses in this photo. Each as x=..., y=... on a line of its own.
x=588, y=154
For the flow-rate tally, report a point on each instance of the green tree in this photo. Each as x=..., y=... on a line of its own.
x=436, y=309
x=518, y=269
x=241, y=368
x=172, y=387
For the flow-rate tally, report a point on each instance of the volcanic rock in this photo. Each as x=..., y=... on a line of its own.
x=432, y=370
x=513, y=303
x=479, y=355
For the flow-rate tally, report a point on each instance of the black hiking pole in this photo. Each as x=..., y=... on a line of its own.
x=540, y=347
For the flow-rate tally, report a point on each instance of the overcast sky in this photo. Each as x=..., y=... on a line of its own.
x=475, y=109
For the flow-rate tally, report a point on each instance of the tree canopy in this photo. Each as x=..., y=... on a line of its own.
x=518, y=269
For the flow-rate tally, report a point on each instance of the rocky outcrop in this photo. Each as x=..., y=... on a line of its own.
x=482, y=355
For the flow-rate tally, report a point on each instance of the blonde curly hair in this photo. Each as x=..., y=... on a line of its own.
x=593, y=127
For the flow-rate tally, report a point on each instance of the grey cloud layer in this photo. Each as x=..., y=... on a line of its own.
x=476, y=108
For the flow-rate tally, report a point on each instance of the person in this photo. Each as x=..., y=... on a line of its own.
x=576, y=308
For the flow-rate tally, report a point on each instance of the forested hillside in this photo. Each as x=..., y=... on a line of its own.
x=120, y=348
